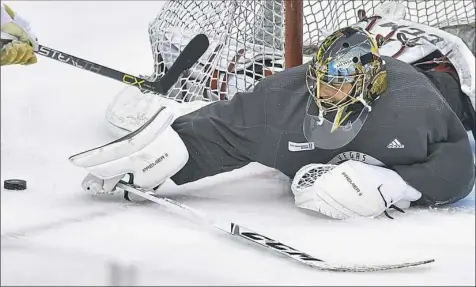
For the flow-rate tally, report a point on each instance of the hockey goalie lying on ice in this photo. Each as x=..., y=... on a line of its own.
x=359, y=133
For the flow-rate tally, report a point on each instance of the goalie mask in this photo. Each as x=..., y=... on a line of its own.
x=344, y=78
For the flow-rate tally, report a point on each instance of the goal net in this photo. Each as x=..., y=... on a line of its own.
x=251, y=39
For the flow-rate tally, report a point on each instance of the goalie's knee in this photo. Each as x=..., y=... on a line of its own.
x=152, y=153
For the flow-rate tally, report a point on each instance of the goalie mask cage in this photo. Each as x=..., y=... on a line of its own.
x=251, y=39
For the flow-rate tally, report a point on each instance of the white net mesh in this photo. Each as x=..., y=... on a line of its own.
x=331, y=15
x=247, y=37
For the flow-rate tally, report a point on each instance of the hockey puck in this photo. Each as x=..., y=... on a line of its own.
x=14, y=184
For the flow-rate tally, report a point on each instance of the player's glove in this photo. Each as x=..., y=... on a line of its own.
x=351, y=189
x=22, y=43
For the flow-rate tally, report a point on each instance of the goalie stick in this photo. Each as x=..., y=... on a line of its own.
x=190, y=55
x=257, y=238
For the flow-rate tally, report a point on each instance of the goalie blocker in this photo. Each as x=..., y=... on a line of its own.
x=407, y=137
x=151, y=154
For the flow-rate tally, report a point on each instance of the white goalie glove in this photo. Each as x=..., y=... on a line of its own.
x=150, y=155
x=351, y=189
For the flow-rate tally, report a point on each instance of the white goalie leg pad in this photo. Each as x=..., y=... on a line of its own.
x=153, y=153
x=351, y=189
x=131, y=108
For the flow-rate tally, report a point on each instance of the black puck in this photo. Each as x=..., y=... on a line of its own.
x=14, y=184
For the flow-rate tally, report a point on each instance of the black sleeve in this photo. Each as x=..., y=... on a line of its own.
x=222, y=136
x=448, y=173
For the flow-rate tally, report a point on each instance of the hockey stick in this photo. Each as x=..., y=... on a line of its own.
x=190, y=55
x=257, y=238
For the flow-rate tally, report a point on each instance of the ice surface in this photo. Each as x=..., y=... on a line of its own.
x=55, y=234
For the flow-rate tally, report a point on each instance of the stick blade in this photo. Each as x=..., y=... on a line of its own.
x=190, y=55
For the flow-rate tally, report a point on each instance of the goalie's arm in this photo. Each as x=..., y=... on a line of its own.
x=448, y=173
x=222, y=136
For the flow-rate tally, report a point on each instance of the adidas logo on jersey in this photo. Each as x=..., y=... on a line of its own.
x=395, y=144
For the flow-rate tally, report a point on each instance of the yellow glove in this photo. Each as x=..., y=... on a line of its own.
x=17, y=52
x=23, y=43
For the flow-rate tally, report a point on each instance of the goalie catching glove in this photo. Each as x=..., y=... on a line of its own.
x=150, y=155
x=351, y=189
